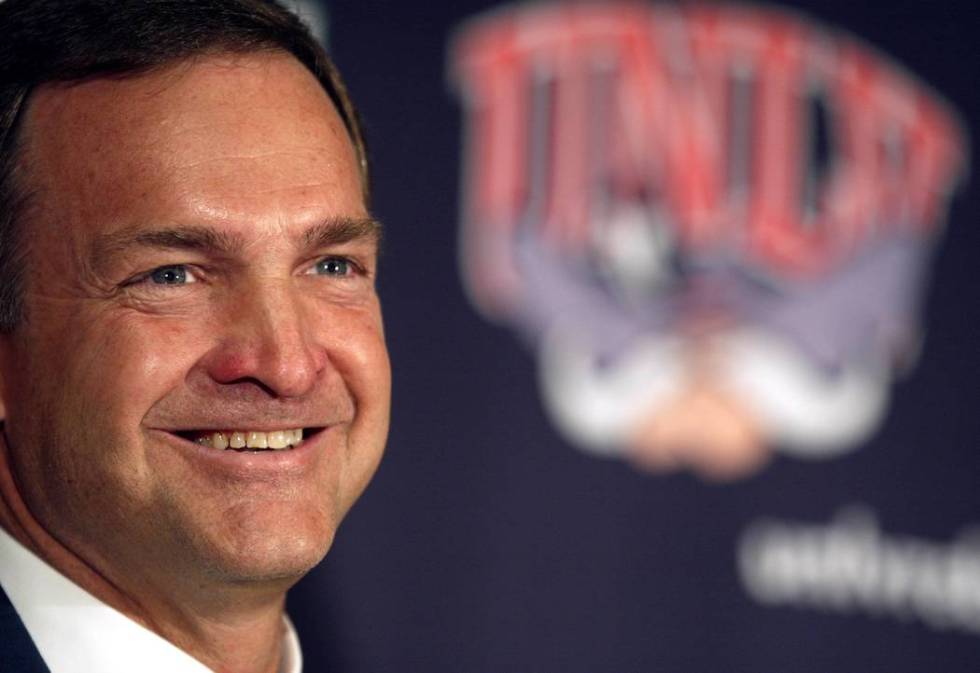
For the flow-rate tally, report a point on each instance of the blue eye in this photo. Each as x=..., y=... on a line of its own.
x=170, y=275
x=333, y=266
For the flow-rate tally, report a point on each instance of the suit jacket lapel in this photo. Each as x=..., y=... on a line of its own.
x=17, y=651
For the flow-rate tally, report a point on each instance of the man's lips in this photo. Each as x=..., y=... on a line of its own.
x=243, y=439
x=318, y=443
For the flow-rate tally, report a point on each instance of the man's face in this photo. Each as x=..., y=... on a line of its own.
x=199, y=260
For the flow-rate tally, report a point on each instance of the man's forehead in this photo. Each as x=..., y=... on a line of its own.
x=186, y=97
x=226, y=137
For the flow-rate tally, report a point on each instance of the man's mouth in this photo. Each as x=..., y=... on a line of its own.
x=248, y=440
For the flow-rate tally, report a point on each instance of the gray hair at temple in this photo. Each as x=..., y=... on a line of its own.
x=64, y=41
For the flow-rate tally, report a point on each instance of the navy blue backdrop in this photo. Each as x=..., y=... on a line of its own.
x=487, y=543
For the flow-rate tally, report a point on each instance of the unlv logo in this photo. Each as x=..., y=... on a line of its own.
x=713, y=223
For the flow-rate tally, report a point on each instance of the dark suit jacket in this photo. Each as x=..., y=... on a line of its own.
x=17, y=651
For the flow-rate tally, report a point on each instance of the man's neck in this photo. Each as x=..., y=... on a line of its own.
x=230, y=630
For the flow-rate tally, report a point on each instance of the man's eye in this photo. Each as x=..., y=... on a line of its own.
x=333, y=266
x=172, y=275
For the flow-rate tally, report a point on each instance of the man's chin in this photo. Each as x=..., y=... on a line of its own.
x=267, y=544
x=273, y=560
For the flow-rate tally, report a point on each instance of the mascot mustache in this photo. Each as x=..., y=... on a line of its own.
x=789, y=401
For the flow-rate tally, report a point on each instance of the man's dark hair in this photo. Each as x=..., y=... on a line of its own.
x=64, y=41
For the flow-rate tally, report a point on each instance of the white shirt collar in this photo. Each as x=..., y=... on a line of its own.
x=77, y=633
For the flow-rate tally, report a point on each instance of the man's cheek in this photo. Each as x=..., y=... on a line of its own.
x=134, y=363
x=359, y=352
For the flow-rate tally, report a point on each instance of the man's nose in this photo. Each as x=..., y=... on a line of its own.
x=269, y=339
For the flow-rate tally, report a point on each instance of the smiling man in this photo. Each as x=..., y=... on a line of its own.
x=193, y=376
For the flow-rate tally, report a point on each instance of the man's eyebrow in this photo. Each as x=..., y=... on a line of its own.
x=107, y=246
x=336, y=231
x=330, y=232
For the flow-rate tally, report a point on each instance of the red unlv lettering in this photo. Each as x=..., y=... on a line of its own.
x=757, y=135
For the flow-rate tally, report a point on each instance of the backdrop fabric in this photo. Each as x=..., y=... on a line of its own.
x=487, y=543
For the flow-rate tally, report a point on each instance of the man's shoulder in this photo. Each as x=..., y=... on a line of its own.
x=18, y=653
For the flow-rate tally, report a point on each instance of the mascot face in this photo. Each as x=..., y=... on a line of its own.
x=713, y=223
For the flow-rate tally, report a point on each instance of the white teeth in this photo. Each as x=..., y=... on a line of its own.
x=251, y=439
x=257, y=440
